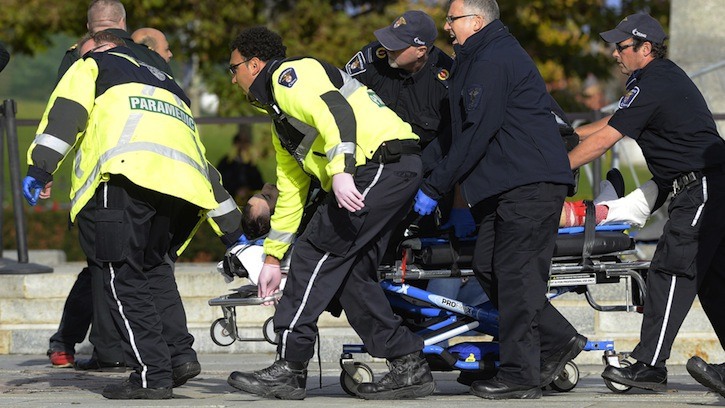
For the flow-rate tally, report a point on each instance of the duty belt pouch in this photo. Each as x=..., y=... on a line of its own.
x=391, y=151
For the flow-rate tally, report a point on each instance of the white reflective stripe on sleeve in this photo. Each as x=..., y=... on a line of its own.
x=52, y=143
x=342, y=148
x=285, y=237
x=224, y=208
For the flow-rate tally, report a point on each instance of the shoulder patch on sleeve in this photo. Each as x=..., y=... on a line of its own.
x=473, y=97
x=288, y=77
x=381, y=53
x=627, y=99
x=356, y=65
x=443, y=74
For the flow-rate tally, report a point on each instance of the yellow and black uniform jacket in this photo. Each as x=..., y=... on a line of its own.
x=125, y=117
x=325, y=122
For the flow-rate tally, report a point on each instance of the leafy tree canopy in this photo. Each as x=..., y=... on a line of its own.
x=561, y=35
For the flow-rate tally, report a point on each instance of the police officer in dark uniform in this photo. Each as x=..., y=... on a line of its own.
x=507, y=155
x=668, y=117
x=410, y=75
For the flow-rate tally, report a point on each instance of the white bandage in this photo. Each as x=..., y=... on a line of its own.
x=634, y=208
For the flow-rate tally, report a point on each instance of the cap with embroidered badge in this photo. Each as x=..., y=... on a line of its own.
x=414, y=28
x=640, y=25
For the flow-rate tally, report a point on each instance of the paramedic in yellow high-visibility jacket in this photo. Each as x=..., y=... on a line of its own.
x=140, y=187
x=329, y=127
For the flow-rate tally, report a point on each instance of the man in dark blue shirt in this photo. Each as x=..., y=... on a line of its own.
x=506, y=153
x=665, y=113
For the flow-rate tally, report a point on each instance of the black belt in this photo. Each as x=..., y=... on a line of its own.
x=684, y=180
x=390, y=151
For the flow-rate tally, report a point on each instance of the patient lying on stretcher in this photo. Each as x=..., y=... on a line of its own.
x=633, y=209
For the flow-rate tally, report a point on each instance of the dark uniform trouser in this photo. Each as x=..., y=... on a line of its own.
x=126, y=232
x=512, y=258
x=689, y=260
x=82, y=306
x=338, y=253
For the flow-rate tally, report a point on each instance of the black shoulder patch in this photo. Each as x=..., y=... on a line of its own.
x=356, y=65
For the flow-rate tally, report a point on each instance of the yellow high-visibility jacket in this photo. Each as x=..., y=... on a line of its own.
x=127, y=118
x=325, y=122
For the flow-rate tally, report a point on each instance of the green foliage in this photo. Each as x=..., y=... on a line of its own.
x=561, y=35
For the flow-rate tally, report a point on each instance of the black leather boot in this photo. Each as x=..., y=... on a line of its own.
x=282, y=380
x=409, y=377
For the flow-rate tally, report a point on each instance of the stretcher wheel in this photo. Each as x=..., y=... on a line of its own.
x=220, y=333
x=567, y=378
x=617, y=387
x=362, y=374
x=268, y=331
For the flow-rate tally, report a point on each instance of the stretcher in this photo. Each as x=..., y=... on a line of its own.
x=584, y=257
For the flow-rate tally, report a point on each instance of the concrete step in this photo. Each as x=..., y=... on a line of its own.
x=31, y=307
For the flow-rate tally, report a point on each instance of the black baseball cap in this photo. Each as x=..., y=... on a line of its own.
x=640, y=25
x=414, y=28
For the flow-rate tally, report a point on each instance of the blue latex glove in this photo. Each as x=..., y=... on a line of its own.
x=243, y=240
x=424, y=205
x=462, y=222
x=32, y=189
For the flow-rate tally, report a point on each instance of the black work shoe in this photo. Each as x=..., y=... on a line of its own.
x=552, y=365
x=711, y=376
x=495, y=388
x=409, y=377
x=638, y=375
x=283, y=380
x=185, y=372
x=614, y=176
x=132, y=390
x=92, y=364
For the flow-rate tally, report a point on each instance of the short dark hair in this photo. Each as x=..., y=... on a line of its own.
x=658, y=50
x=255, y=227
x=259, y=42
x=108, y=37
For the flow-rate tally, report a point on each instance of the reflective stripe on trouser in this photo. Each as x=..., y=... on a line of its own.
x=512, y=256
x=689, y=261
x=126, y=232
x=338, y=254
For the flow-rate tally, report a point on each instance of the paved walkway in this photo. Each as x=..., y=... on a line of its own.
x=29, y=381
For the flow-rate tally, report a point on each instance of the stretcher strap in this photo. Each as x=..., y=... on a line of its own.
x=589, y=233
x=455, y=247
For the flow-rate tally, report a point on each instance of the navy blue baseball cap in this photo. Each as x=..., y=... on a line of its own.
x=641, y=26
x=414, y=28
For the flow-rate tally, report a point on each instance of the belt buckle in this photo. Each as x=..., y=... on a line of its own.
x=681, y=182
